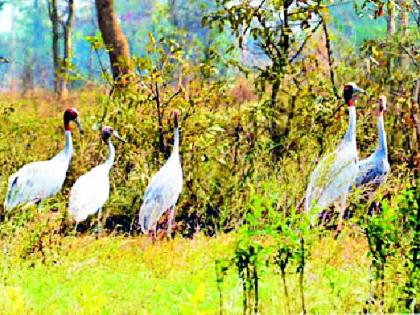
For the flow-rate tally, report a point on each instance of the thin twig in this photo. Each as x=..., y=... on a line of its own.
x=330, y=56
x=304, y=42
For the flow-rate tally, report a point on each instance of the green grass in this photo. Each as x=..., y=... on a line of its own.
x=45, y=272
x=120, y=275
x=114, y=274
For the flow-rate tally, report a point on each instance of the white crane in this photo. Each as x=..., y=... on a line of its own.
x=37, y=181
x=375, y=168
x=336, y=172
x=90, y=192
x=164, y=189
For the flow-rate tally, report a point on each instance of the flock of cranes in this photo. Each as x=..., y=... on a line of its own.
x=37, y=181
x=333, y=178
x=338, y=172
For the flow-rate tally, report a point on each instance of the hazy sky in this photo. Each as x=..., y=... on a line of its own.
x=6, y=14
x=6, y=18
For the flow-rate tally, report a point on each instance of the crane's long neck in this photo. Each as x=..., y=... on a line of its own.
x=176, y=141
x=382, y=147
x=351, y=130
x=111, y=157
x=68, y=147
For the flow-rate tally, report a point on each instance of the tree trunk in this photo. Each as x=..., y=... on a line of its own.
x=390, y=30
x=13, y=54
x=27, y=75
x=53, y=13
x=91, y=75
x=274, y=132
x=36, y=42
x=67, y=49
x=403, y=17
x=390, y=19
x=114, y=39
x=173, y=11
x=402, y=28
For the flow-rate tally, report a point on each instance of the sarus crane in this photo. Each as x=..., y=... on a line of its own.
x=90, y=192
x=37, y=181
x=163, y=190
x=336, y=172
x=374, y=169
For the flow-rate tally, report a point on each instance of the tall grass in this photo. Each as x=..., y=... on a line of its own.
x=272, y=262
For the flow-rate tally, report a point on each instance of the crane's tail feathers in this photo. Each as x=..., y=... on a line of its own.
x=148, y=216
x=6, y=205
x=14, y=197
x=11, y=201
x=144, y=221
x=76, y=215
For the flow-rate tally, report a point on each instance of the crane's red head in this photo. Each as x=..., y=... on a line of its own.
x=350, y=91
x=381, y=104
x=71, y=114
x=176, y=115
x=107, y=132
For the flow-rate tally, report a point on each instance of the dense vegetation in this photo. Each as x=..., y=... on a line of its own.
x=258, y=110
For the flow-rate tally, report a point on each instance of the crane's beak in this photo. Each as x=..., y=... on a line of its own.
x=116, y=135
x=356, y=89
x=79, y=125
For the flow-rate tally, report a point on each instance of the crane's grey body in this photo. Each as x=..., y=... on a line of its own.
x=39, y=180
x=375, y=168
x=163, y=191
x=336, y=172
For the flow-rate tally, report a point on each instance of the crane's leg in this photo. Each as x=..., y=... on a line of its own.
x=153, y=232
x=341, y=215
x=75, y=228
x=99, y=222
x=170, y=221
x=35, y=201
x=324, y=216
x=154, y=229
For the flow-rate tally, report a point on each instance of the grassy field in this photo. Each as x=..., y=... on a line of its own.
x=230, y=185
x=135, y=275
x=113, y=274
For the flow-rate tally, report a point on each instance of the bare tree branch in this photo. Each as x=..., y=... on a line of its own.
x=330, y=56
x=299, y=51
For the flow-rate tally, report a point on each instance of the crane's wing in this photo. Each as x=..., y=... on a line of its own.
x=333, y=177
x=161, y=194
x=37, y=180
x=372, y=171
x=89, y=193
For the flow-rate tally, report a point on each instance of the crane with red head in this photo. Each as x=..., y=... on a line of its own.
x=37, y=181
x=335, y=174
x=164, y=189
x=90, y=192
x=374, y=169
